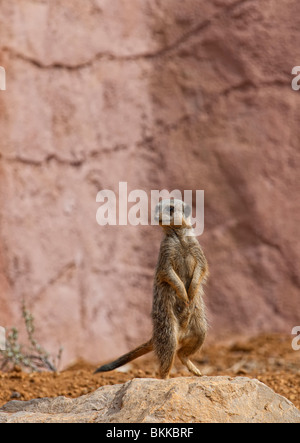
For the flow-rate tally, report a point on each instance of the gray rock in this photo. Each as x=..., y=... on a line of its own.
x=178, y=400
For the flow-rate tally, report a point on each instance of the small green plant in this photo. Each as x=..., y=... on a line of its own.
x=32, y=357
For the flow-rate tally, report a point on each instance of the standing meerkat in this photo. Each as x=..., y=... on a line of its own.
x=178, y=313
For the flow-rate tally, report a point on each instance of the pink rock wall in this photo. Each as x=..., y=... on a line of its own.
x=160, y=94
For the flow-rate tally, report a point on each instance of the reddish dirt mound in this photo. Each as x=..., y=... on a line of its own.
x=269, y=358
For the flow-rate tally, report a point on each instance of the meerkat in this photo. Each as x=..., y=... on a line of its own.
x=178, y=313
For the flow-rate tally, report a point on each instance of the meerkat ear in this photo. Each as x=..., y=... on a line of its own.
x=187, y=210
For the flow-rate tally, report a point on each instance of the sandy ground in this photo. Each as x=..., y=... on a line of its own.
x=269, y=358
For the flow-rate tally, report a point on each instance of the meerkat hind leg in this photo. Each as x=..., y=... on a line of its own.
x=166, y=366
x=165, y=350
x=166, y=359
x=188, y=348
x=191, y=367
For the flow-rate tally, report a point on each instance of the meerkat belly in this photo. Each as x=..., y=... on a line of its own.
x=186, y=269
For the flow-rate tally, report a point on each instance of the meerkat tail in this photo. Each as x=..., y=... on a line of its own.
x=126, y=358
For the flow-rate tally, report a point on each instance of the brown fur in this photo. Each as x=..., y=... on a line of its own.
x=178, y=314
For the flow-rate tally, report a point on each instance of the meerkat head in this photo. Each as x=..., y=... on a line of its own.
x=173, y=213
